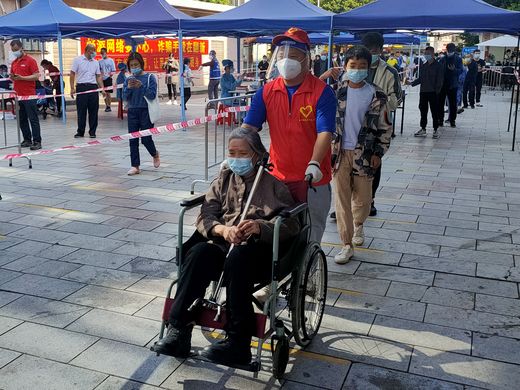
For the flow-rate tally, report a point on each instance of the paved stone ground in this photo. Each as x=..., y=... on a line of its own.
x=431, y=301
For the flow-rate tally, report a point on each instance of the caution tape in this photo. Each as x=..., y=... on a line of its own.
x=169, y=128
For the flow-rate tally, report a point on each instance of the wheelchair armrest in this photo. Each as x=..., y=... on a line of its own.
x=295, y=211
x=193, y=201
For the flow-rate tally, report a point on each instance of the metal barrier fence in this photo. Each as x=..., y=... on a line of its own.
x=221, y=128
x=498, y=78
x=16, y=113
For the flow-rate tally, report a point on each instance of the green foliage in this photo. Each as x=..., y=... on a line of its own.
x=225, y=2
x=508, y=4
x=469, y=39
x=340, y=5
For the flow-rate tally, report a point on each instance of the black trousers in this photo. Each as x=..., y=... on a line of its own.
x=57, y=88
x=376, y=181
x=429, y=99
x=203, y=263
x=479, y=88
x=172, y=91
x=451, y=94
x=187, y=95
x=469, y=92
x=29, y=114
x=87, y=103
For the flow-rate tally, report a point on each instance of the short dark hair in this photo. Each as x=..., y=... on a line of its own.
x=429, y=48
x=359, y=52
x=373, y=40
x=135, y=56
x=16, y=42
x=103, y=48
x=474, y=51
x=3, y=66
x=45, y=62
x=186, y=60
x=451, y=47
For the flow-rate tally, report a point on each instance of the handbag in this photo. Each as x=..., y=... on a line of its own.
x=154, y=109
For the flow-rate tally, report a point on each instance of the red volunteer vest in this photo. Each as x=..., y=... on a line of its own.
x=293, y=129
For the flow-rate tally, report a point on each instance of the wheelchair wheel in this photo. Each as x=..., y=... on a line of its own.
x=309, y=291
x=280, y=356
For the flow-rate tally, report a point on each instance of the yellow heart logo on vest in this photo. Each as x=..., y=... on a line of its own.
x=306, y=111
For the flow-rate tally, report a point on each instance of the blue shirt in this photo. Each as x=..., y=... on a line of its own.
x=135, y=96
x=228, y=83
x=325, y=110
x=121, y=77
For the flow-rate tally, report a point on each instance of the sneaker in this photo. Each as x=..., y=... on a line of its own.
x=472, y=107
x=134, y=171
x=176, y=343
x=452, y=124
x=447, y=121
x=108, y=109
x=344, y=256
x=460, y=111
x=36, y=146
x=230, y=351
x=92, y=135
x=373, y=210
x=175, y=103
x=262, y=294
x=169, y=102
x=435, y=134
x=441, y=123
x=78, y=135
x=333, y=215
x=464, y=106
x=479, y=105
x=420, y=133
x=156, y=161
x=26, y=144
x=359, y=236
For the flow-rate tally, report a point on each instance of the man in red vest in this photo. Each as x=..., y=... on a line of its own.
x=300, y=110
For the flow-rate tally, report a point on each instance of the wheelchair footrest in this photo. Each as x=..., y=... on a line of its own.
x=253, y=366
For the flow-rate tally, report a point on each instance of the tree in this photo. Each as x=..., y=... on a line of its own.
x=338, y=6
x=469, y=39
x=508, y=4
x=225, y=2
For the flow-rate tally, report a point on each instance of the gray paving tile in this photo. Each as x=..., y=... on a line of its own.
x=499, y=305
x=151, y=267
x=109, y=299
x=6, y=228
x=7, y=356
x=499, y=247
x=98, y=258
x=415, y=227
x=115, y=383
x=382, y=305
x=56, y=252
x=103, y=277
x=473, y=320
x=405, y=247
x=152, y=286
x=347, y=320
x=27, y=247
x=452, y=298
x=7, y=257
x=496, y=348
x=52, y=268
x=39, y=234
x=419, y=333
x=140, y=236
x=7, y=323
x=136, y=224
x=398, y=274
x=362, y=376
x=152, y=311
x=479, y=234
x=42, y=286
x=357, y=283
x=147, y=250
x=23, y=263
x=501, y=272
x=116, y=326
x=91, y=229
x=458, y=223
x=43, y=311
x=27, y=338
x=408, y=291
x=29, y=372
x=476, y=285
x=455, y=242
x=7, y=275
x=127, y=361
x=91, y=242
x=477, y=256
x=464, y=369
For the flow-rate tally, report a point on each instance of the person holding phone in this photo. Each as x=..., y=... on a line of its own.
x=136, y=87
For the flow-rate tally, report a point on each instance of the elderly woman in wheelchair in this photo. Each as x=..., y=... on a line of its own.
x=218, y=229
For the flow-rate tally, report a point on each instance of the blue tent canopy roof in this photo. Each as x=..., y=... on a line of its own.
x=347, y=39
x=258, y=17
x=146, y=17
x=390, y=15
x=39, y=19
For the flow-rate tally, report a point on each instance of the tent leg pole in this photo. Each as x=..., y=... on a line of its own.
x=181, y=77
x=513, y=93
x=329, y=60
x=239, y=60
x=516, y=116
x=62, y=83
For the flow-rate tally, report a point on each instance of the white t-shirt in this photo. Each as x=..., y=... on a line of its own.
x=107, y=67
x=358, y=103
x=85, y=70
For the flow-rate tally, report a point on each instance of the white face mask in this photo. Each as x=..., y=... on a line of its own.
x=476, y=56
x=289, y=68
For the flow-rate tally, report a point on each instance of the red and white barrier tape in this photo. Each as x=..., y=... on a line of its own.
x=33, y=97
x=169, y=128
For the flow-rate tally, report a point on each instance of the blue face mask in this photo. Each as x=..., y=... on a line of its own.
x=357, y=75
x=17, y=53
x=427, y=57
x=240, y=166
x=324, y=58
x=375, y=58
x=136, y=71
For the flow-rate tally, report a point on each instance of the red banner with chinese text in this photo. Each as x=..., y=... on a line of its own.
x=154, y=51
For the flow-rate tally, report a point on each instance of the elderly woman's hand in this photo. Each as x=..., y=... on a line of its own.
x=249, y=227
x=233, y=235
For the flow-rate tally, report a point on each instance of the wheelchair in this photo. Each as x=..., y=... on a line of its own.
x=295, y=306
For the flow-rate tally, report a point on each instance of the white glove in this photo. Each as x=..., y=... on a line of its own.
x=313, y=172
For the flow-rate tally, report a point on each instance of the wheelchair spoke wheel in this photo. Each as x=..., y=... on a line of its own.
x=280, y=357
x=310, y=294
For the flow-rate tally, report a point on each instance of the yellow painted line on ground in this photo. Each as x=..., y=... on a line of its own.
x=96, y=189
x=358, y=248
x=348, y=292
x=389, y=220
x=2, y=237
x=292, y=351
x=48, y=208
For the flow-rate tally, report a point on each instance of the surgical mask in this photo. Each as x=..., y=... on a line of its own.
x=211, y=56
x=451, y=54
x=93, y=55
x=476, y=56
x=289, y=68
x=324, y=58
x=357, y=75
x=17, y=53
x=136, y=71
x=375, y=58
x=441, y=55
x=104, y=56
x=264, y=59
x=428, y=57
x=240, y=166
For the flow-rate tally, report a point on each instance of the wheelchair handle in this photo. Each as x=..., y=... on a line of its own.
x=295, y=211
x=309, y=178
x=193, y=201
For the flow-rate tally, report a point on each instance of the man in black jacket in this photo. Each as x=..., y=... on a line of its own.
x=452, y=68
x=470, y=82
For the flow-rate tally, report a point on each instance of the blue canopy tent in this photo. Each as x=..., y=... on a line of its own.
x=349, y=39
x=41, y=19
x=144, y=17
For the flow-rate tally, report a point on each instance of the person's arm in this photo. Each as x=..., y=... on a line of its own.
x=151, y=88
x=209, y=63
x=393, y=89
x=72, y=78
x=127, y=92
x=439, y=80
x=257, y=114
x=99, y=80
x=384, y=132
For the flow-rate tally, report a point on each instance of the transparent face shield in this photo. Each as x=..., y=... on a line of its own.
x=286, y=56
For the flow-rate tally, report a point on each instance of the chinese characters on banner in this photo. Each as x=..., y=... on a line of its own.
x=154, y=51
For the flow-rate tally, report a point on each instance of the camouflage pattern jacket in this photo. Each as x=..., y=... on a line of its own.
x=374, y=137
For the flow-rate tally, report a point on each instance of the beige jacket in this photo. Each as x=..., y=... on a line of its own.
x=387, y=79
